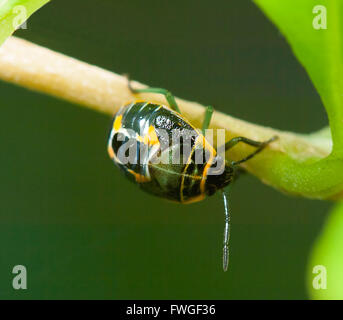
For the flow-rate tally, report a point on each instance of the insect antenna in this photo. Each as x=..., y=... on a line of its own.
x=226, y=233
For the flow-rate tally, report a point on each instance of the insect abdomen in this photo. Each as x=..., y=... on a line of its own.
x=142, y=122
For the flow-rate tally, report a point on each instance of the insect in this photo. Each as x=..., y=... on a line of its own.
x=137, y=130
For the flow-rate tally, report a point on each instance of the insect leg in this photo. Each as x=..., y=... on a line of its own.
x=168, y=95
x=207, y=118
x=259, y=145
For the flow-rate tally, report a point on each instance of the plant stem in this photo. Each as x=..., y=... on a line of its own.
x=280, y=165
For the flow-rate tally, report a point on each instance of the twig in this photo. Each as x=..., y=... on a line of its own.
x=43, y=70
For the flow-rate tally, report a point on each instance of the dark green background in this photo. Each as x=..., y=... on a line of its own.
x=82, y=230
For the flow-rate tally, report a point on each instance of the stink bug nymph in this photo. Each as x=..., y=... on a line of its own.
x=143, y=131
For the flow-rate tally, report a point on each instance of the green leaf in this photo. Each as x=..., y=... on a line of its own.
x=319, y=50
x=327, y=254
x=15, y=12
x=315, y=34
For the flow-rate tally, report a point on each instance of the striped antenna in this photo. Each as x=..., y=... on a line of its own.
x=226, y=234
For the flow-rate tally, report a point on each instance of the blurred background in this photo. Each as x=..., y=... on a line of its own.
x=82, y=230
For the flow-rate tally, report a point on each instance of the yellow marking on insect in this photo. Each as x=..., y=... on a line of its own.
x=110, y=151
x=139, y=177
x=150, y=138
x=117, y=123
x=139, y=138
x=195, y=199
x=204, y=175
x=207, y=146
x=183, y=176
